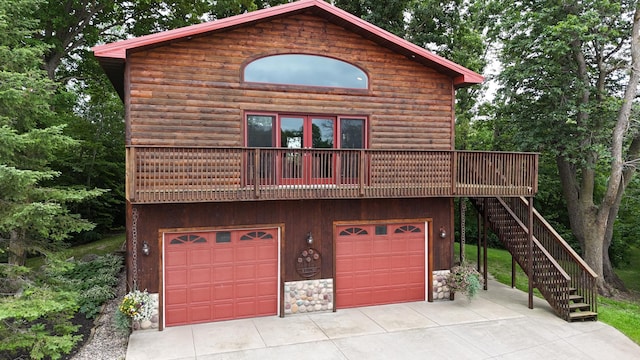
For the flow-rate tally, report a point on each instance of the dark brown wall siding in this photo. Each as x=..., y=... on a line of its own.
x=189, y=93
x=299, y=217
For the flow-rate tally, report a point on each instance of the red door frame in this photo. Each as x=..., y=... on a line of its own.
x=307, y=176
x=307, y=143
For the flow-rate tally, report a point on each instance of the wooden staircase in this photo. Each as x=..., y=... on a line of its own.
x=559, y=273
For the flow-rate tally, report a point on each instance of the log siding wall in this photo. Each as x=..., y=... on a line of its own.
x=190, y=93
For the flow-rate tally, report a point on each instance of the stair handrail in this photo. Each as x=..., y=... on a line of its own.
x=559, y=239
x=583, y=278
x=558, y=301
x=535, y=240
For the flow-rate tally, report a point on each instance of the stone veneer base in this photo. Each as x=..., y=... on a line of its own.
x=440, y=288
x=308, y=296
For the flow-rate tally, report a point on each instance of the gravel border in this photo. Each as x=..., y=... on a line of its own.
x=105, y=341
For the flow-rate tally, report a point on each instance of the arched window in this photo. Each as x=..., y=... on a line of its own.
x=187, y=239
x=310, y=70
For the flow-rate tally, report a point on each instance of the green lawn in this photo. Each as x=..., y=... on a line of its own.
x=630, y=273
x=107, y=245
x=623, y=315
x=499, y=262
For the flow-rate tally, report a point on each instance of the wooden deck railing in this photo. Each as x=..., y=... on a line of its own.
x=192, y=174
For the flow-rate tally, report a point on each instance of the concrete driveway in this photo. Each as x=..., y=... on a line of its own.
x=495, y=325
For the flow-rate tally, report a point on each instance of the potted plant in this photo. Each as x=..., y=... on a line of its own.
x=136, y=307
x=464, y=279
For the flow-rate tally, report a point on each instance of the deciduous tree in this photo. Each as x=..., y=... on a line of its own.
x=569, y=81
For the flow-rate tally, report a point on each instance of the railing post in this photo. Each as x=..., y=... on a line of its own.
x=530, y=242
x=534, y=171
x=130, y=174
x=362, y=169
x=256, y=169
x=454, y=171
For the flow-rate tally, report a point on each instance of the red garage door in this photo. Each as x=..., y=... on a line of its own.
x=379, y=264
x=220, y=275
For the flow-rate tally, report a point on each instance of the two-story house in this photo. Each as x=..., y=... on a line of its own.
x=294, y=159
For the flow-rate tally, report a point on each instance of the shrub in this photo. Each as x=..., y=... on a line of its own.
x=122, y=323
x=12, y=278
x=38, y=323
x=97, y=281
x=94, y=280
x=91, y=300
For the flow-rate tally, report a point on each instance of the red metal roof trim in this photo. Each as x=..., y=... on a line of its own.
x=118, y=50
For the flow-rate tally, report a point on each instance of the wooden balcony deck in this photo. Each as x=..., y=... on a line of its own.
x=192, y=174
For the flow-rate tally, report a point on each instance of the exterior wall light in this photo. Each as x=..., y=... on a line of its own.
x=443, y=232
x=146, y=250
x=309, y=238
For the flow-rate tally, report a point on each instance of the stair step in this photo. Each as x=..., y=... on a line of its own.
x=572, y=290
x=579, y=306
x=575, y=298
x=583, y=315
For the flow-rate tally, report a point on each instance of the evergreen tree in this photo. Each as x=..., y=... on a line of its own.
x=34, y=217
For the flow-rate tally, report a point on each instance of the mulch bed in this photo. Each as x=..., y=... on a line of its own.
x=86, y=325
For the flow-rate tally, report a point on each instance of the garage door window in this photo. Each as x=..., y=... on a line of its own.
x=223, y=237
x=188, y=238
x=353, y=231
x=256, y=235
x=407, y=229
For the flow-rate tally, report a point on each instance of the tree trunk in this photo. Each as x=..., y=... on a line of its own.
x=17, y=252
x=610, y=277
x=584, y=219
x=570, y=186
x=594, y=245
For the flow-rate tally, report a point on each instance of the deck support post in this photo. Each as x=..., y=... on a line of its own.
x=463, y=230
x=530, y=242
x=484, y=241
x=479, y=239
x=513, y=272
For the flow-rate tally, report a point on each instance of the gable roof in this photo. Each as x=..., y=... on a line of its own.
x=113, y=56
